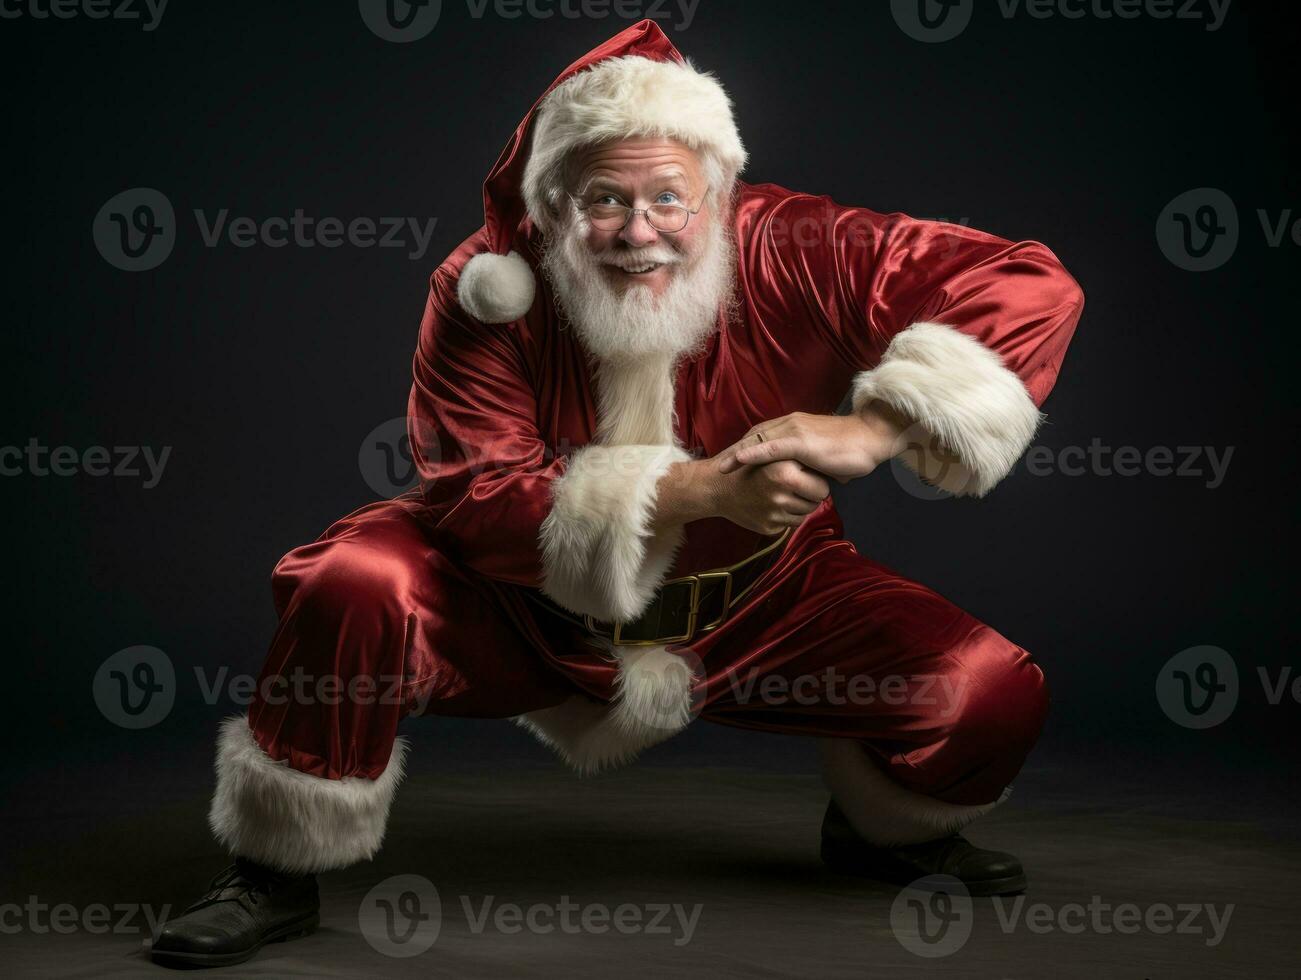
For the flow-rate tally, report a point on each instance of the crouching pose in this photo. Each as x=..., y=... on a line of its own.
x=624, y=419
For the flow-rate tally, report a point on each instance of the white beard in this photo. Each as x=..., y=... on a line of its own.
x=629, y=325
x=600, y=528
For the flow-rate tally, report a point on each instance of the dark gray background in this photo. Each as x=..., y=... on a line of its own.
x=264, y=368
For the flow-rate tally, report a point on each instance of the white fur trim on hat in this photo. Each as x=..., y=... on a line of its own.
x=976, y=415
x=625, y=97
x=496, y=288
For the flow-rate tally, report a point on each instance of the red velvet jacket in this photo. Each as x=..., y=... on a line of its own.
x=498, y=410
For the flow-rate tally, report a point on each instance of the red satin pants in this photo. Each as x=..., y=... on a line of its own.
x=377, y=623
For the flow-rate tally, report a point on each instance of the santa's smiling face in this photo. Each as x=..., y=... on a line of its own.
x=661, y=178
x=653, y=283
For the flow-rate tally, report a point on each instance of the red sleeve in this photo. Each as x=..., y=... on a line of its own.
x=472, y=420
x=962, y=331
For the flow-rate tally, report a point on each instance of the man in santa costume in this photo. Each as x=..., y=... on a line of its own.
x=623, y=416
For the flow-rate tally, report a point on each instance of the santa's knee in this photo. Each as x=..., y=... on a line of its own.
x=335, y=682
x=997, y=702
x=345, y=607
x=346, y=583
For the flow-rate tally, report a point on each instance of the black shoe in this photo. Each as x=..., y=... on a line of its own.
x=246, y=907
x=982, y=872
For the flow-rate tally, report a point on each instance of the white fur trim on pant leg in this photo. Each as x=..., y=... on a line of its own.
x=496, y=288
x=652, y=703
x=977, y=415
x=599, y=555
x=264, y=810
x=882, y=811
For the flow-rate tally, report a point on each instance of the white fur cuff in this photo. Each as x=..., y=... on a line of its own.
x=976, y=414
x=882, y=811
x=292, y=821
x=599, y=556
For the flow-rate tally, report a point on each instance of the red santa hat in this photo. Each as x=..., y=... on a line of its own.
x=635, y=84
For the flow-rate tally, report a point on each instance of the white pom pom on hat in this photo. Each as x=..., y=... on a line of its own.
x=496, y=288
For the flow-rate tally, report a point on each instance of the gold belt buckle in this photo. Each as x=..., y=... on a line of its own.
x=694, y=580
x=693, y=603
x=693, y=608
x=726, y=576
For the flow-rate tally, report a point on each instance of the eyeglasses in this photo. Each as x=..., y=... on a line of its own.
x=667, y=218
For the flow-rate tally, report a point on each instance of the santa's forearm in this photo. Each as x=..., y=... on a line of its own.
x=883, y=431
x=687, y=492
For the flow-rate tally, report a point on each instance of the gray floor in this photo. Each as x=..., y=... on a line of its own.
x=652, y=843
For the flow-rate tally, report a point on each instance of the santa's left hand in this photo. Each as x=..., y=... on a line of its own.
x=841, y=447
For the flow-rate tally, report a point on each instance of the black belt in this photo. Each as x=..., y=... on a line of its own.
x=675, y=614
